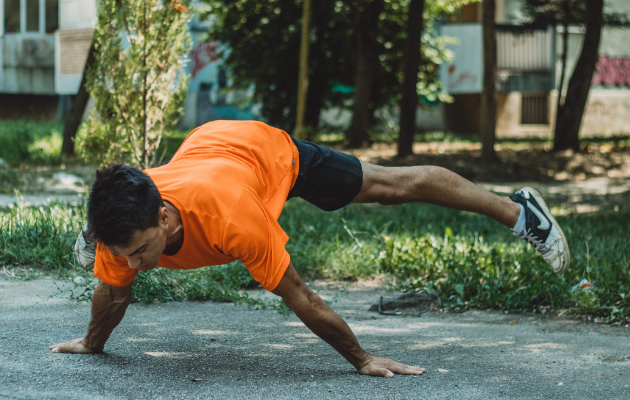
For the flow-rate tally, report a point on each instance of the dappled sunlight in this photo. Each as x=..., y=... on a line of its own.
x=281, y=346
x=541, y=347
x=178, y=355
x=376, y=330
x=429, y=325
x=211, y=332
x=464, y=343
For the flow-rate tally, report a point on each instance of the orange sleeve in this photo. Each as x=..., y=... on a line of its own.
x=253, y=236
x=111, y=269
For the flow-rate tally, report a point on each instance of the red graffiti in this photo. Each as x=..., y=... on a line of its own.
x=612, y=71
x=463, y=79
x=204, y=54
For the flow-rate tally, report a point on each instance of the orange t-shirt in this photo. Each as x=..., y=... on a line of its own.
x=229, y=180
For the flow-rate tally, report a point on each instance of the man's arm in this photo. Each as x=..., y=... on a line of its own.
x=109, y=304
x=329, y=326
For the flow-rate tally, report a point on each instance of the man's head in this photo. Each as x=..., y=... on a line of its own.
x=125, y=211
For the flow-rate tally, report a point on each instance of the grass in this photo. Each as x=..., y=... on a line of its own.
x=471, y=261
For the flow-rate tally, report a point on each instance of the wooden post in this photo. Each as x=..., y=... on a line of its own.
x=303, y=74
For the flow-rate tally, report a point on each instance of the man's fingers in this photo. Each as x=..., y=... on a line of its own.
x=58, y=348
x=387, y=368
x=407, y=369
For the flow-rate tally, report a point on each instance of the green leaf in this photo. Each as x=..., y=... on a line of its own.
x=459, y=288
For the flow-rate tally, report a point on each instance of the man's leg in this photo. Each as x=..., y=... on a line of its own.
x=433, y=185
x=525, y=211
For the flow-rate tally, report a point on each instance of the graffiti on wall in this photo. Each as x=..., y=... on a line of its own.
x=203, y=54
x=612, y=72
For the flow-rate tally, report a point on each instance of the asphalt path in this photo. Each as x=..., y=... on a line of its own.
x=207, y=350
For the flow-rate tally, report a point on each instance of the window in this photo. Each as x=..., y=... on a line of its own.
x=52, y=16
x=33, y=16
x=11, y=16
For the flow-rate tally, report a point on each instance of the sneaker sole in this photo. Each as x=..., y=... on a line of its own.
x=543, y=204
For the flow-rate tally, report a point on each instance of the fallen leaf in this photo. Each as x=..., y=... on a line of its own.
x=442, y=370
x=512, y=322
x=36, y=294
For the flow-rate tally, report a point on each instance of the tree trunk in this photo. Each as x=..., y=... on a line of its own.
x=488, y=104
x=409, y=101
x=358, y=133
x=314, y=101
x=565, y=46
x=570, y=114
x=73, y=117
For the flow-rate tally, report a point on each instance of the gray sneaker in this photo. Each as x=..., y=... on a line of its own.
x=85, y=249
x=542, y=231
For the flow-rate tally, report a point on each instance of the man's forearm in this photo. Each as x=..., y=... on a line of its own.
x=109, y=304
x=320, y=318
x=329, y=326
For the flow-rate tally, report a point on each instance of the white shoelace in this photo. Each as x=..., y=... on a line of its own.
x=542, y=248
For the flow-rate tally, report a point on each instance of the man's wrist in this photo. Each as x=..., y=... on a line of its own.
x=364, y=361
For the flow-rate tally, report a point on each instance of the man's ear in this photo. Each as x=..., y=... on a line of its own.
x=163, y=215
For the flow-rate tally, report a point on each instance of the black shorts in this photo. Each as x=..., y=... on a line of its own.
x=327, y=179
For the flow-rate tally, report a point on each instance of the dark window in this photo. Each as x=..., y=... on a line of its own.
x=11, y=16
x=534, y=109
x=52, y=16
x=32, y=15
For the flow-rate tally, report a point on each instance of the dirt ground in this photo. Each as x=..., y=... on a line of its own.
x=516, y=162
x=206, y=350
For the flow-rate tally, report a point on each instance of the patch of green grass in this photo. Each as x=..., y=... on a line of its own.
x=470, y=260
x=40, y=236
x=30, y=142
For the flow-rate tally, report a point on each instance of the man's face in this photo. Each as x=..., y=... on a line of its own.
x=145, y=248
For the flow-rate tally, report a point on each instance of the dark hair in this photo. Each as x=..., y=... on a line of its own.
x=122, y=201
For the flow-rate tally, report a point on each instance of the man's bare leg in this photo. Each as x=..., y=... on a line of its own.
x=433, y=185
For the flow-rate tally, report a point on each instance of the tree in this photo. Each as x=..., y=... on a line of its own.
x=75, y=113
x=262, y=41
x=424, y=52
x=570, y=108
x=488, y=103
x=409, y=101
x=137, y=81
x=368, y=50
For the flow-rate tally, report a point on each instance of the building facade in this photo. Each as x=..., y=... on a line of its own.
x=528, y=75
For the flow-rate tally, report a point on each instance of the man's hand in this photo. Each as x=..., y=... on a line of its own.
x=74, y=346
x=379, y=366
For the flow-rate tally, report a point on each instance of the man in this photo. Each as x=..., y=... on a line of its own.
x=219, y=198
